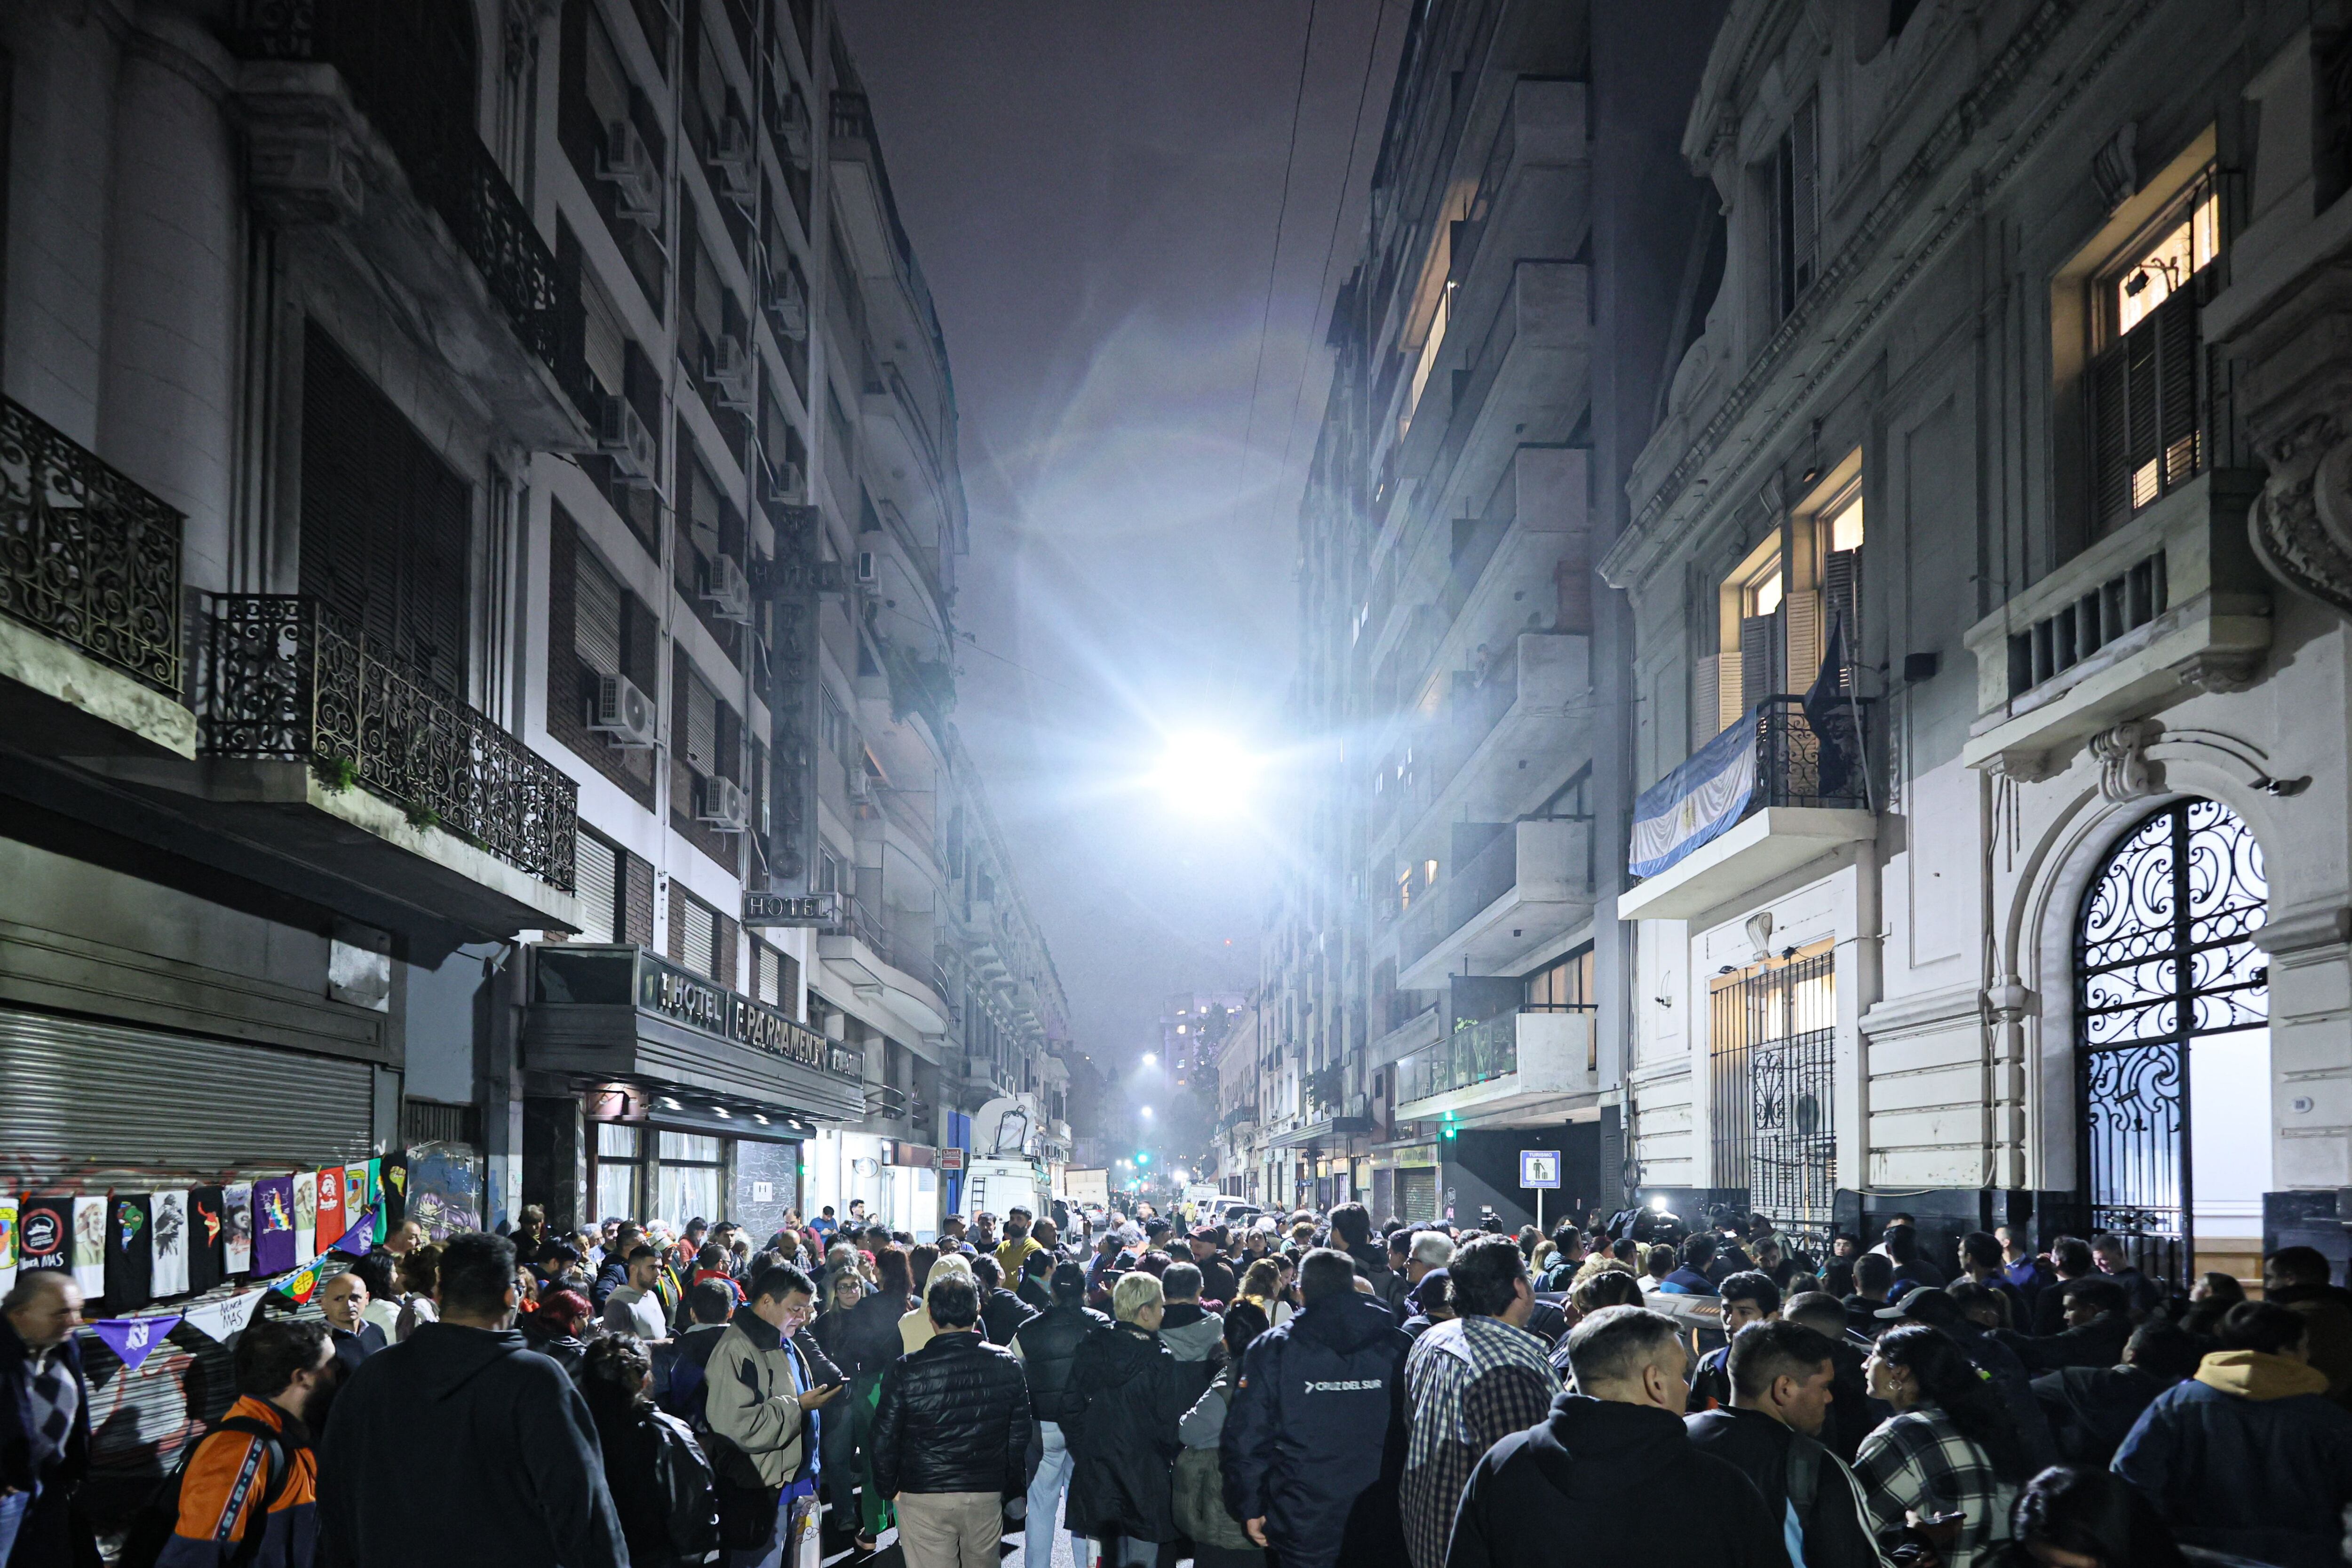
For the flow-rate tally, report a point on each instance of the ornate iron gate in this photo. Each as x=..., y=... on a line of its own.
x=2164, y=953
x=1775, y=1069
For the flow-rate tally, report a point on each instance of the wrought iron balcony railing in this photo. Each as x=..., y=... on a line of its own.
x=411, y=73
x=85, y=556
x=284, y=682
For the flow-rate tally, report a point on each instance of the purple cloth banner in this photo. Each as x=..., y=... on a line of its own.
x=135, y=1339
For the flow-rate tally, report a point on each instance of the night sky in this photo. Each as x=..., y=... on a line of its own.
x=1093, y=193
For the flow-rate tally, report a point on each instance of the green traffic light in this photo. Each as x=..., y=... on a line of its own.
x=1142, y=1157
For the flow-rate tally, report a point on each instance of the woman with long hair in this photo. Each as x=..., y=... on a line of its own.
x=1262, y=1283
x=1949, y=1454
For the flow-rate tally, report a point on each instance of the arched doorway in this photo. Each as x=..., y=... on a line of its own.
x=2173, y=1040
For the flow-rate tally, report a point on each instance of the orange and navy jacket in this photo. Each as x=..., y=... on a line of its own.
x=222, y=1489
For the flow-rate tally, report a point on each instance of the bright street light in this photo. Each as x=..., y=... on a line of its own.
x=1146, y=1113
x=1151, y=1059
x=1206, y=774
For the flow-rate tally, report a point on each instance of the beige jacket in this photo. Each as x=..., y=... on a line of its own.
x=749, y=1399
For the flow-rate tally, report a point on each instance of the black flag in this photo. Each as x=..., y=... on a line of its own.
x=1828, y=709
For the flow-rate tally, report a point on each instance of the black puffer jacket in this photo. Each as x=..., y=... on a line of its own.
x=1049, y=1349
x=1002, y=1315
x=1126, y=1440
x=868, y=1338
x=954, y=1417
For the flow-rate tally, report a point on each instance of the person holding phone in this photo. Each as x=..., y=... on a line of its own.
x=766, y=1386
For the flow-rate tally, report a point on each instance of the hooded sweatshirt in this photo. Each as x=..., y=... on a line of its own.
x=490, y=1430
x=1592, y=1456
x=2249, y=1456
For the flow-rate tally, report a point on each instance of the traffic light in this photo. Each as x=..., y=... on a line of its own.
x=1448, y=1131
x=1143, y=1156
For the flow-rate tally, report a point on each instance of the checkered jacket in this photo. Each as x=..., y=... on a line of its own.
x=1469, y=1383
x=1920, y=1461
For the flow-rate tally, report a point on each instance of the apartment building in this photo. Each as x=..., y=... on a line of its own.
x=477, y=549
x=1441, y=982
x=1989, y=649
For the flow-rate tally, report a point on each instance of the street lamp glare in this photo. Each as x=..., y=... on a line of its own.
x=1151, y=1059
x=1206, y=774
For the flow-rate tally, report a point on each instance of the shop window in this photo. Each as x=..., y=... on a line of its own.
x=690, y=1178
x=620, y=1170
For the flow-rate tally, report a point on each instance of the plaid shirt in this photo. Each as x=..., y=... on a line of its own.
x=1920, y=1461
x=1470, y=1383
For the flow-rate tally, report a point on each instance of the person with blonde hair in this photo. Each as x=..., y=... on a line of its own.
x=1124, y=1442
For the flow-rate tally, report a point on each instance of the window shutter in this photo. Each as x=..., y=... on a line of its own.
x=1841, y=602
x=1803, y=614
x=697, y=946
x=596, y=615
x=2176, y=389
x=1760, y=643
x=701, y=726
x=1729, y=689
x=596, y=873
x=1805, y=172
x=1707, y=700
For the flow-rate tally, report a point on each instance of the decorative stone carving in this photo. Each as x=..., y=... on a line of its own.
x=2024, y=767
x=2115, y=165
x=2122, y=753
x=2219, y=671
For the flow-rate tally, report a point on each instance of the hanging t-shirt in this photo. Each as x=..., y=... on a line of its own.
x=305, y=1214
x=7, y=1240
x=237, y=1216
x=273, y=1225
x=207, y=1238
x=130, y=1253
x=169, y=1217
x=45, y=1231
x=90, y=1218
x=331, y=1222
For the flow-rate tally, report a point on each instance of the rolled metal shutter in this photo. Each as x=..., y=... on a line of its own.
x=87, y=1096
x=596, y=614
x=1417, y=1194
x=596, y=874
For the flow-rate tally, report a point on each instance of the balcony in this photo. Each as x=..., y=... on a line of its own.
x=341, y=758
x=865, y=952
x=1754, y=803
x=2171, y=604
x=1518, y=1069
x=1529, y=886
x=1505, y=742
x=361, y=146
x=89, y=601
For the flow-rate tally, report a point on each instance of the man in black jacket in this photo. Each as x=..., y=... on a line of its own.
x=1001, y=1313
x=2092, y=1409
x=463, y=1412
x=950, y=1438
x=43, y=1418
x=2098, y=1322
x=1046, y=1346
x=1781, y=1378
x=1621, y=1438
x=1351, y=1229
x=1313, y=1452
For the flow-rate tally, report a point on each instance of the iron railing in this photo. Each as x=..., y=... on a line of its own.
x=85, y=556
x=413, y=75
x=1794, y=767
x=285, y=681
x=1774, y=1059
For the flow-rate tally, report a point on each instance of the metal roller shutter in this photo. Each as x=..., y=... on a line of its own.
x=85, y=1096
x=596, y=874
x=1417, y=1194
x=595, y=614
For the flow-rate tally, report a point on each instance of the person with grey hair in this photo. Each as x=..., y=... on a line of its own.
x=1619, y=1436
x=1192, y=1334
x=1124, y=1441
x=43, y=1418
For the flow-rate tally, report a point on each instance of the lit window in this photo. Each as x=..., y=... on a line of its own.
x=1845, y=524
x=1428, y=873
x=1765, y=592
x=2177, y=253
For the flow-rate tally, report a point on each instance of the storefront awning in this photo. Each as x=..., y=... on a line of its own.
x=619, y=1012
x=1324, y=1131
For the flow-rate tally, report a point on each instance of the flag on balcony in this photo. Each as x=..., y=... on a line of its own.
x=1696, y=801
x=1828, y=709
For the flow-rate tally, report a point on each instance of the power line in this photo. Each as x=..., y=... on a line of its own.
x=1281, y=217
x=1332, y=245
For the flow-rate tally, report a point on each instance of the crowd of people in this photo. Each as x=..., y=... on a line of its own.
x=1298, y=1392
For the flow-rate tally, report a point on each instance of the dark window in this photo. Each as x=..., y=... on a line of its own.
x=386, y=524
x=1795, y=206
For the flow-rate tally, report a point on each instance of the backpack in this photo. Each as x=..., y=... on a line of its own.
x=159, y=1516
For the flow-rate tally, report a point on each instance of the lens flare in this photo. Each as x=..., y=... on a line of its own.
x=1205, y=774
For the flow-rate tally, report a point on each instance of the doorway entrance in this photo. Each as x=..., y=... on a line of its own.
x=2173, y=1042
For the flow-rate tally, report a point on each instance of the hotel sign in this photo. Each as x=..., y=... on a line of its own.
x=668, y=992
x=791, y=908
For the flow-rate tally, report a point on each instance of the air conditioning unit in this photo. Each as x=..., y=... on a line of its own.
x=787, y=112
x=733, y=160
x=629, y=168
x=624, y=715
x=623, y=437
x=787, y=304
x=724, y=806
x=731, y=372
x=861, y=783
x=729, y=593
x=786, y=484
